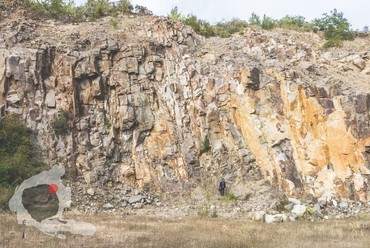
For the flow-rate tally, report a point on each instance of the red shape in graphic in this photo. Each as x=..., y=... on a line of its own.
x=53, y=188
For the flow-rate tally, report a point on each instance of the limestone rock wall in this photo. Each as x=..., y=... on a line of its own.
x=143, y=99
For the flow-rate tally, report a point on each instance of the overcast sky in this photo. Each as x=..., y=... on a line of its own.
x=356, y=11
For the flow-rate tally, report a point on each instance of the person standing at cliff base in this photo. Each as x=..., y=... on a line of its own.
x=222, y=186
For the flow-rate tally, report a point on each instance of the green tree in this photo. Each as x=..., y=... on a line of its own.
x=292, y=22
x=98, y=8
x=193, y=22
x=227, y=28
x=199, y=26
x=125, y=6
x=175, y=14
x=268, y=23
x=335, y=26
x=142, y=10
x=57, y=9
x=255, y=20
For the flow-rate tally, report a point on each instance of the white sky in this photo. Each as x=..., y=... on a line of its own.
x=356, y=11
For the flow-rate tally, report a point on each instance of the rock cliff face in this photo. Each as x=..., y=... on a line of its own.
x=142, y=101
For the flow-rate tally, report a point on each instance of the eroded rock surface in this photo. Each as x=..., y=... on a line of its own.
x=142, y=99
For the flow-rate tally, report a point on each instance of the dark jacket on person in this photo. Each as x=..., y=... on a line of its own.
x=222, y=184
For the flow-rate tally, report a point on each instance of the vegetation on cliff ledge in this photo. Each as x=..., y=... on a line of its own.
x=334, y=25
x=91, y=10
x=60, y=123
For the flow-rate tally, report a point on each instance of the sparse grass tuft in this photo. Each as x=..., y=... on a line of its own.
x=229, y=197
x=114, y=23
x=334, y=42
x=203, y=212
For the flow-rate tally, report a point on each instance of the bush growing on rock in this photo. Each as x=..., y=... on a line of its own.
x=199, y=26
x=229, y=197
x=60, y=124
x=57, y=9
x=19, y=157
x=206, y=145
x=291, y=21
x=335, y=27
x=113, y=22
x=227, y=28
x=98, y=8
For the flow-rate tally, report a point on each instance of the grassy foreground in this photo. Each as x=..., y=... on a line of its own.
x=140, y=231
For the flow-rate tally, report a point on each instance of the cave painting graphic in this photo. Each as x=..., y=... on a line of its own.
x=40, y=200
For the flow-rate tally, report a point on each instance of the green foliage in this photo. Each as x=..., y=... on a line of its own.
x=92, y=9
x=193, y=22
x=363, y=216
x=142, y=10
x=203, y=212
x=60, y=124
x=175, y=14
x=107, y=122
x=229, y=197
x=199, y=26
x=57, y=9
x=308, y=213
x=255, y=20
x=208, y=196
x=288, y=22
x=335, y=26
x=206, y=146
x=97, y=8
x=19, y=158
x=227, y=28
x=114, y=23
x=268, y=23
x=334, y=42
x=124, y=6
x=292, y=22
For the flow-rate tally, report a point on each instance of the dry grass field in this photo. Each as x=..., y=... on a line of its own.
x=140, y=231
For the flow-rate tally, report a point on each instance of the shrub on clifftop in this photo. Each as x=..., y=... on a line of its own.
x=335, y=27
